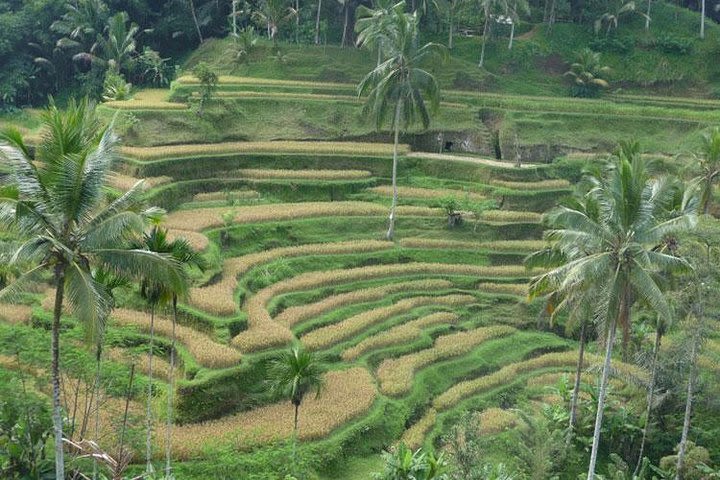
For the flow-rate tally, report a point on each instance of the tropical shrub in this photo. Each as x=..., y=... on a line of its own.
x=588, y=75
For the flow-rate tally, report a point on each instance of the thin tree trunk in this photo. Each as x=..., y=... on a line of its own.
x=702, y=18
x=578, y=375
x=512, y=35
x=601, y=399
x=688, y=411
x=195, y=20
x=297, y=21
x=317, y=23
x=451, y=20
x=121, y=446
x=345, y=24
x=647, y=16
x=96, y=434
x=379, y=57
x=148, y=407
x=393, y=206
x=234, y=15
x=171, y=395
x=55, y=371
x=485, y=31
x=650, y=399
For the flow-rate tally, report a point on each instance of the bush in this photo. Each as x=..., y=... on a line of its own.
x=612, y=44
x=115, y=87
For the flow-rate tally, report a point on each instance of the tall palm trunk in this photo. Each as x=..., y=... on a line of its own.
x=451, y=20
x=601, y=398
x=578, y=375
x=171, y=394
x=702, y=18
x=484, y=40
x=55, y=372
x=393, y=206
x=317, y=23
x=195, y=20
x=148, y=406
x=512, y=35
x=345, y=23
x=650, y=399
x=297, y=21
x=98, y=363
x=647, y=16
x=688, y=409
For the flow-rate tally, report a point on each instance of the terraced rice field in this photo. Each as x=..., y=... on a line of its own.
x=432, y=323
x=393, y=311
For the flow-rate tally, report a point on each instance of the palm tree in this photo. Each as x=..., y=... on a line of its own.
x=661, y=326
x=512, y=14
x=400, y=86
x=588, y=74
x=119, y=44
x=274, y=14
x=616, y=251
x=489, y=7
x=156, y=291
x=373, y=25
x=61, y=210
x=579, y=307
x=709, y=163
x=346, y=15
x=81, y=25
x=294, y=374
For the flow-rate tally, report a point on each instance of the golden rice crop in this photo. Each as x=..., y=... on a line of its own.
x=415, y=435
x=205, y=350
x=398, y=335
x=232, y=195
x=495, y=246
x=203, y=218
x=495, y=420
x=519, y=289
x=510, y=216
x=319, y=148
x=254, y=81
x=332, y=334
x=126, y=182
x=537, y=185
x=133, y=104
x=259, y=321
x=395, y=374
x=257, y=173
x=161, y=367
x=290, y=96
x=218, y=298
x=197, y=240
x=347, y=395
x=15, y=313
x=507, y=373
x=293, y=315
x=426, y=193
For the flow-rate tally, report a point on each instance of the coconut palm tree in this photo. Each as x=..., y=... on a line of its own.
x=274, y=14
x=709, y=163
x=399, y=85
x=155, y=292
x=294, y=374
x=617, y=252
x=373, y=25
x=70, y=227
x=588, y=74
x=661, y=326
x=489, y=9
x=119, y=44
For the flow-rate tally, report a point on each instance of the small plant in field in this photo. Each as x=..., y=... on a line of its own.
x=401, y=463
x=588, y=75
x=452, y=205
x=208, y=84
x=115, y=87
x=243, y=46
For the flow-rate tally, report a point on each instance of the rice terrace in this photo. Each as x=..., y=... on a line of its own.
x=359, y=239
